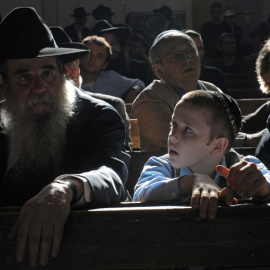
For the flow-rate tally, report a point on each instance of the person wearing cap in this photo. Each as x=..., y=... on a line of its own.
x=72, y=72
x=60, y=148
x=103, y=13
x=200, y=165
x=120, y=60
x=98, y=80
x=78, y=31
x=175, y=61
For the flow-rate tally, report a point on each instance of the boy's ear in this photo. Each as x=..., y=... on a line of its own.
x=220, y=145
x=158, y=71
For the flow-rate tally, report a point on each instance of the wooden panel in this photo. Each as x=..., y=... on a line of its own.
x=247, y=93
x=248, y=106
x=135, y=134
x=139, y=236
x=130, y=111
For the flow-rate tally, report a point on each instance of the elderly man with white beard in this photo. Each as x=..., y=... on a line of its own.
x=60, y=148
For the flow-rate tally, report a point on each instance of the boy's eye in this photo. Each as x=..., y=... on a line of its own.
x=188, y=130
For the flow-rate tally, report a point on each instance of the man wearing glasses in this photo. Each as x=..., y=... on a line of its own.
x=175, y=61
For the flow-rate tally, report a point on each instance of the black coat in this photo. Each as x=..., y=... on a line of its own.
x=94, y=150
x=72, y=32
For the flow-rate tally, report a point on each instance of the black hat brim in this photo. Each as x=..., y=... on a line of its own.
x=122, y=33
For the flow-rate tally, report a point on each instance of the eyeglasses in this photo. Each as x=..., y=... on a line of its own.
x=180, y=55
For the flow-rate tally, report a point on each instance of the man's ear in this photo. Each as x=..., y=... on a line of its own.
x=158, y=71
x=219, y=145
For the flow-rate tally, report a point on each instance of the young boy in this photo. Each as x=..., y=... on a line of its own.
x=204, y=125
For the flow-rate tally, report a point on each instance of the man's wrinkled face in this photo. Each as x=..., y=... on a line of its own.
x=179, y=63
x=37, y=105
x=34, y=84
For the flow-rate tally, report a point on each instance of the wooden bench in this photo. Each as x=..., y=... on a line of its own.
x=247, y=93
x=129, y=110
x=154, y=236
x=135, y=134
x=248, y=106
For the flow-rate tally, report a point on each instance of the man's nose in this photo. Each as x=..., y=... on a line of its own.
x=38, y=85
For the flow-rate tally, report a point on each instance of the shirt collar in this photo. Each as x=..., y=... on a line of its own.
x=180, y=92
x=187, y=171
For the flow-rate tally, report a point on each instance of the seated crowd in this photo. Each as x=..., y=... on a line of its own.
x=65, y=132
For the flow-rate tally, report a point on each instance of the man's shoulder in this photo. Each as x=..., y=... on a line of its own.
x=108, y=74
x=154, y=95
x=92, y=101
x=154, y=89
x=110, y=99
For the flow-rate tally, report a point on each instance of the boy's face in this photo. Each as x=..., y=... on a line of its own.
x=189, y=138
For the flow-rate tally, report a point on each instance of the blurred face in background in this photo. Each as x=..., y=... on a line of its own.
x=115, y=44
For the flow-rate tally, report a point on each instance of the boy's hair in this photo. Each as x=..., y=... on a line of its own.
x=225, y=112
x=101, y=42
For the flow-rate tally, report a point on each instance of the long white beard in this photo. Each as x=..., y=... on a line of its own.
x=37, y=139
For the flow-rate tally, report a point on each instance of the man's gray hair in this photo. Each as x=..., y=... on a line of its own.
x=162, y=40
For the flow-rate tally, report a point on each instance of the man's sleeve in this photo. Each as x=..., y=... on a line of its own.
x=156, y=182
x=104, y=155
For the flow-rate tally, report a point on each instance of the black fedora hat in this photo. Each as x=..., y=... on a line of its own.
x=63, y=40
x=24, y=34
x=79, y=12
x=103, y=26
x=102, y=12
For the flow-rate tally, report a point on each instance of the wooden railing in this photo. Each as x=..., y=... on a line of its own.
x=151, y=236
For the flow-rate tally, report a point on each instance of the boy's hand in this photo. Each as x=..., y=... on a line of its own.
x=205, y=192
x=245, y=179
x=226, y=193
